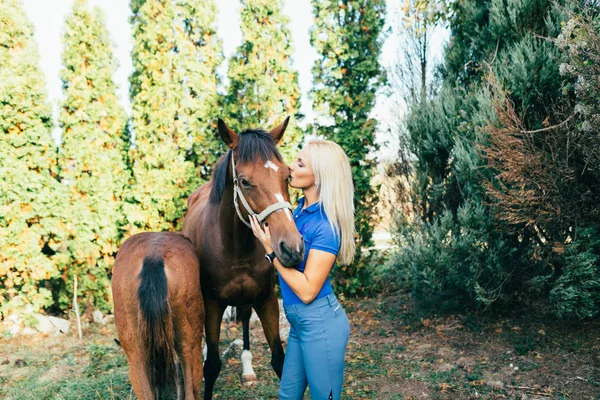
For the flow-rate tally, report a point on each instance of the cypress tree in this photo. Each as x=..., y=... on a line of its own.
x=347, y=75
x=172, y=85
x=201, y=53
x=31, y=198
x=90, y=161
x=263, y=84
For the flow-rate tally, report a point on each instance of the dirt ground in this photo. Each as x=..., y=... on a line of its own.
x=459, y=357
x=393, y=354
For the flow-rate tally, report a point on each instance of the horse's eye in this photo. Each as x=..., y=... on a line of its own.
x=245, y=183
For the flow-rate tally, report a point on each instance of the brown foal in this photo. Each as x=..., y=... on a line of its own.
x=159, y=313
x=234, y=268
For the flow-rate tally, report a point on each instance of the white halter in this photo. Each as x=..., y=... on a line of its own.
x=237, y=192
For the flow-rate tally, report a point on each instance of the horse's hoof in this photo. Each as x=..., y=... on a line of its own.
x=249, y=380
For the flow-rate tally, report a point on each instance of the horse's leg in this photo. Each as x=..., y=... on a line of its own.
x=248, y=375
x=178, y=379
x=140, y=381
x=126, y=324
x=212, y=325
x=268, y=312
x=192, y=370
x=191, y=348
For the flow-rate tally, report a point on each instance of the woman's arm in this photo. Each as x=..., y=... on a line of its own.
x=307, y=284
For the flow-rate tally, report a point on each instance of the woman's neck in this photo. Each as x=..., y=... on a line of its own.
x=310, y=196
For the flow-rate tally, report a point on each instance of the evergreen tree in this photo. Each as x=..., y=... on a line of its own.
x=444, y=134
x=502, y=190
x=173, y=91
x=201, y=54
x=446, y=137
x=31, y=198
x=548, y=179
x=90, y=160
x=347, y=75
x=263, y=84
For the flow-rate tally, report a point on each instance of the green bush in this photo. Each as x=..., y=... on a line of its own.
x=577, y=290
x=505, y=164
x=457, y=262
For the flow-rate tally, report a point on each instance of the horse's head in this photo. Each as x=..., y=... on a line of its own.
x=261, y=186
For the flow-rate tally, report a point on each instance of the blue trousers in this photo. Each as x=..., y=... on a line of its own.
x=319, y=333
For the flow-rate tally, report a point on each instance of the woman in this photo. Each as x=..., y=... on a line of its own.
x=319, y=327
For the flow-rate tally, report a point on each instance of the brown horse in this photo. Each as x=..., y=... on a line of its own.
x=234, y=268
x=159, y=313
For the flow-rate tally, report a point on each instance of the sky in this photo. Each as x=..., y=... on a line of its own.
x=48, y=17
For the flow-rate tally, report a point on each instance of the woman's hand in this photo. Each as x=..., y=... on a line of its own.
x=263, y=235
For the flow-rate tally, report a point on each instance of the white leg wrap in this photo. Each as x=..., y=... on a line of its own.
x=247, y=363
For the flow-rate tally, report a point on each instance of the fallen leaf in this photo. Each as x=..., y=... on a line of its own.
x=445, y=387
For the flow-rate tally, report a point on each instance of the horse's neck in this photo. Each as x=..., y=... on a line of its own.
x=237, y=238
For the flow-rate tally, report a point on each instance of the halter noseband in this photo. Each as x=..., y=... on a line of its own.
x=237, y=193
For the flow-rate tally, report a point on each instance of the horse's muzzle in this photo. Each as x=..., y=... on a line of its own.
x=289, y=254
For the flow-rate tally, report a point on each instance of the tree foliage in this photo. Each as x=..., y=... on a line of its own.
x=500, y=151
x=347, y=74
x=174, y=99
x=32, y=201
x=547, y=179
x=201, y=54
x=263, y=85
x=91, y=156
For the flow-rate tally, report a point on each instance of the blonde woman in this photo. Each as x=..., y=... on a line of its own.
x=319, y=327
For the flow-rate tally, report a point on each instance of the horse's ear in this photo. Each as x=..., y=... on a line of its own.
x=277, y=132
x=227, y=134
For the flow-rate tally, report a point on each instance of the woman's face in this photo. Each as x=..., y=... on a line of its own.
x=301, y=173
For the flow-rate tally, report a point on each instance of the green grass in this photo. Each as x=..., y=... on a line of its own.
x=99, y=371
x=104, y=377
x=394, y=353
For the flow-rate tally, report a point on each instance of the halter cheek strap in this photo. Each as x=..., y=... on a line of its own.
x=238, y=194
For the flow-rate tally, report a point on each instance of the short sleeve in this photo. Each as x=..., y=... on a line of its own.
x=325, y=239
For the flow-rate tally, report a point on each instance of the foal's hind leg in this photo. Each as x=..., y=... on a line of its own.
x=248, y=375
x=191, y=348
x=134, y=350
x=268, y=312
x=140, y=381
x=212, y=325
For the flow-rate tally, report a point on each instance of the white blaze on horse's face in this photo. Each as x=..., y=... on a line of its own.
x=280, y=199
x=271, y=164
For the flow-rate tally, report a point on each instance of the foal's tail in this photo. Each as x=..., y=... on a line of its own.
x=155, y=323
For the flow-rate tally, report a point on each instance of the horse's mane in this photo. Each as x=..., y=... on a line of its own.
x=254, y=145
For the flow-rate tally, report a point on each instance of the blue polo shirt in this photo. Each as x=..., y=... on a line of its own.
x=313, y=225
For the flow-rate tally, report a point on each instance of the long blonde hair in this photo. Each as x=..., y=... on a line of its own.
x=333, y=178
